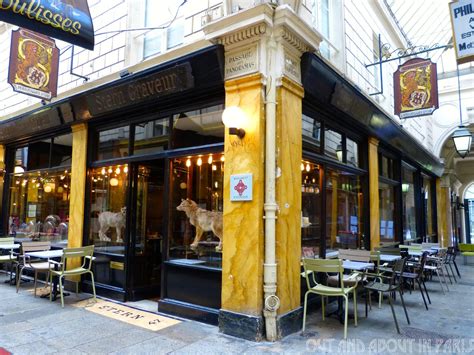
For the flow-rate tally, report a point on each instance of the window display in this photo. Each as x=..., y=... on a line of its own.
x=387, y=212
x=108, y=208
x=195, y=227
x=39, y=205
x=310, y=209
x=408, y=204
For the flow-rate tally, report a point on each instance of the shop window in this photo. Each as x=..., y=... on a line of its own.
x=344, y=211
x=428, y=206
x=107, y=220
x=61, y=150
x=113, y=143
x=198, y=127
x=311, y=130
x=151, y=137
x=333, y=144
x=386, y=167
x=39, y=205
x=352, y=151
x=39, y=154
x=387, y=212
x=408, y=205
x=196, y=186
x=310, y=209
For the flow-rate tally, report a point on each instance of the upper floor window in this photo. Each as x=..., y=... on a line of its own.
x=167, y=16
x=321, y=10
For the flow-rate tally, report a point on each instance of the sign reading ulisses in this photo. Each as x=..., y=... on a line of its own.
x=416, y=88
x=67, y=20
x=462, y=21
x=165, y=82
x=34, y=61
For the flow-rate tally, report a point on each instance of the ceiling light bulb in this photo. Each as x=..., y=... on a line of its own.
x=117, y=171
x=125, y=170
x=102, y=171
x=188, y=162
x=222, y=158
x=308, y=168
x=209, y=160
x=199, y=161
x=110, y=170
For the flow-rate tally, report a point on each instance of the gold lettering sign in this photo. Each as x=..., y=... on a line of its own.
x=117, y=265
x=68, y=20
x=34, y=61
x=165, y=82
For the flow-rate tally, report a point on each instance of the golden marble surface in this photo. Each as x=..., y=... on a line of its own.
x=242, y=265
x=442, y=202
x=374, y=193
x=2, y=157
x=288, y=194
x=78, y=187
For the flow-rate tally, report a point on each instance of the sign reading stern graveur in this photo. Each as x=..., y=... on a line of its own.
x=416, y=88
x=67, y=20
x=462, y=21
x=34, y=61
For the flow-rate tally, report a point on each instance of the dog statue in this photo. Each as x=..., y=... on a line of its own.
x=112, y=220
x=203, y=220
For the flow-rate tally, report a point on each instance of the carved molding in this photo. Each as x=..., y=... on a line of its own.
x=243, y=35
x=294, y=40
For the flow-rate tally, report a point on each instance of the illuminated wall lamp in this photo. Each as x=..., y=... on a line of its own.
x=462, y=141
x=114, y=182
x=234, y=118
x=339, y=152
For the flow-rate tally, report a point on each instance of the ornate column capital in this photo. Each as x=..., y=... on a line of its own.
x=248, y=35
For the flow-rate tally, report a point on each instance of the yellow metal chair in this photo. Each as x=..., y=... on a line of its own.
x=60, y=270
x=313, y=266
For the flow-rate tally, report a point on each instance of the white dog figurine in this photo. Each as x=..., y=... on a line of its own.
x=112, y=220
x=203, y=220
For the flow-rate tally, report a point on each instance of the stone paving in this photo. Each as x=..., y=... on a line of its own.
x=31, y=325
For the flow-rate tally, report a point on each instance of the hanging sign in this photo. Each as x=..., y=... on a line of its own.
x=462, y=22
x=416, y=88
x=67, y=20
x=34, y=62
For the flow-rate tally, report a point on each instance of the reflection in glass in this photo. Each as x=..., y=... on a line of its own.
x=310, y=209
x=352, y=152
x=332, y=140
x=387, y=214
x=311, y=130
x=408, y=205
x=196, y=189
x=113, y=143
x=39, y=205
x=198, y=127
x=151, y=137
x=428, y=207
x=344, y=211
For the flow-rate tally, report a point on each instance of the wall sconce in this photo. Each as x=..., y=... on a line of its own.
x=462, y=141
x=405, y=187
x=339, y=152
x=18, y=169
x=234, y=118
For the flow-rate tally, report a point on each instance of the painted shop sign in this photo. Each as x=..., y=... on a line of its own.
x=462, y=22
x=240, y=62
x=67, y=20
x=241, y=187
x=416, y=88
x=34, y=62
x=165, y=82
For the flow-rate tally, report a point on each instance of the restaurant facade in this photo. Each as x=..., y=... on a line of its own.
x=124, y=166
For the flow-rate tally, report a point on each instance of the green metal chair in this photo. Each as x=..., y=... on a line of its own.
x=60, y=268
x=9, y=258
x=311, y=268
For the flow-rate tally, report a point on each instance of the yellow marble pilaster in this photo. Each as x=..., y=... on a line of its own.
x=78, y=187
x=374, y=193
x=442, y=203
x=243, y=249
x=2, y=158
x=288, y=194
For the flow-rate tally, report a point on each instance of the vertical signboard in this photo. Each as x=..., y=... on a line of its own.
x=34, y=61
x=416, y=88
x=462, y=22
x=67, y=20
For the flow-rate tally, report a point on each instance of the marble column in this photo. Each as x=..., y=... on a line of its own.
x=374, y=193
x=78, y=188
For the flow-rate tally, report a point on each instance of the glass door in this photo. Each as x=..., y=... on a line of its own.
x=147, y=230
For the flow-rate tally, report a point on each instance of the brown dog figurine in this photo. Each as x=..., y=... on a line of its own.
x=203, y=220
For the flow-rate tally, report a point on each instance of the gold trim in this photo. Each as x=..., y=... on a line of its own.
x=246, y=82
x=292, y=86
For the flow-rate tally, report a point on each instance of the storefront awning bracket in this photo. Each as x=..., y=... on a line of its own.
x=71, y=67
x=386, y=54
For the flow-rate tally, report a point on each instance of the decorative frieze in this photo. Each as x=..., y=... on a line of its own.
x=243, y=35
